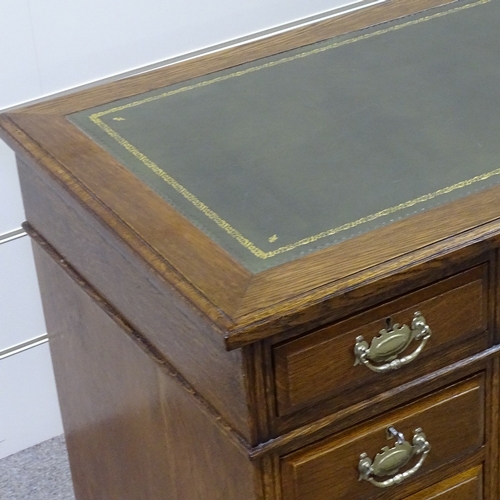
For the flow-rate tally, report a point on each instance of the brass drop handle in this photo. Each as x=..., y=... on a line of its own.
x=389, y=343
x=388, y=461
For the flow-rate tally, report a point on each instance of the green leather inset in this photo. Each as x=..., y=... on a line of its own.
x=298, y=151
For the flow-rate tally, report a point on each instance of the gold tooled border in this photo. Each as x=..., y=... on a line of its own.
x=245, y=242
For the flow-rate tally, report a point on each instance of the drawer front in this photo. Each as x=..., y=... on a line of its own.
x=452, y=421
x=321, y=365
x=467, y=486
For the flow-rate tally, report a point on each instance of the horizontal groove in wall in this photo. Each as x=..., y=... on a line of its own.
x=360, y=4
x=24, y=346
x=12, y=235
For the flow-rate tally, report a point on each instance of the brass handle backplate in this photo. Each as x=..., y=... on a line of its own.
x=389, y=343
x=389, y=460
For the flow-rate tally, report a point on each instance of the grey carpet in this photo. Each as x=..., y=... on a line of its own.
x=38, y=473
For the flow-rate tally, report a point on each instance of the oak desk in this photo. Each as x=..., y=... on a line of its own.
x=271, y=272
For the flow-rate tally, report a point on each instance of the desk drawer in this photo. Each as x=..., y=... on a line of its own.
x=467, y=486
x=452, y=421
x=321, y=365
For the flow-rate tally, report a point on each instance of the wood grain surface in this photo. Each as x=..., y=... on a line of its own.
x=467, y=486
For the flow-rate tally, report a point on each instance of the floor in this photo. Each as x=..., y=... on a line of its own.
x=38, y=473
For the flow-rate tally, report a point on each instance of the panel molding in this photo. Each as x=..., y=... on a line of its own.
x=12, y=235
x=23, y=346
x=235, y=42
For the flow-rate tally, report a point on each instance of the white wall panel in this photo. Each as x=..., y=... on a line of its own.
x=78, y=42
x=11, y=205
x=21, y=316
x=29, y=412
x=19, y=78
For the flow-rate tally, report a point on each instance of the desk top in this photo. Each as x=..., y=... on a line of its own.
x=304, y=149
x=262, y=178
